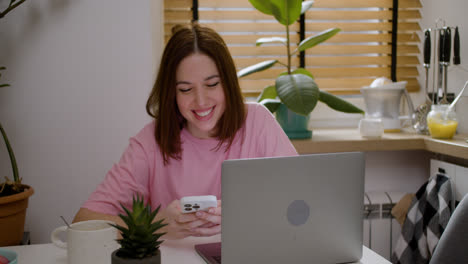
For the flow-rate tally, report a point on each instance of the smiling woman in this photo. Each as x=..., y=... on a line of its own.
x=200, y=95
x=200, y=120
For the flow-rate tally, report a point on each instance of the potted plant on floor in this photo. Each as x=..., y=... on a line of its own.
x=14, y=195
x=140, y=242
x=295, y=93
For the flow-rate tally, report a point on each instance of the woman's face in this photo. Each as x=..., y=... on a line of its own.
x=200, y=94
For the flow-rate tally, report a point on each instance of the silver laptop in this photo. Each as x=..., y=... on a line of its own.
x=303, y=209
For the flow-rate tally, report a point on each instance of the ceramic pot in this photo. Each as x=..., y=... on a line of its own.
x=12, y=217
x=156, y=259
x=294, y=125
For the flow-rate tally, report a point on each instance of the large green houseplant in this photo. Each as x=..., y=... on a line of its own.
x=140, y=238
x=13, y=194
x=295, y=90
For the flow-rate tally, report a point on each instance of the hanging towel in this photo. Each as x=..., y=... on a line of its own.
x=427, y=218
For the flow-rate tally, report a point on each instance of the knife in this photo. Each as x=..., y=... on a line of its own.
x=440, y=74
x=447, y=47
x=427, y=60
x=456, y=47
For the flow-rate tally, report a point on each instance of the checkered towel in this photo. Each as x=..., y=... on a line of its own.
x=426, y=219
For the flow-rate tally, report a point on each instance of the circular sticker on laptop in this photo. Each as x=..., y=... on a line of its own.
x=298, y=212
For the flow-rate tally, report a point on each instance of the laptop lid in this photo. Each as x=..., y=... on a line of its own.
x=302, y=209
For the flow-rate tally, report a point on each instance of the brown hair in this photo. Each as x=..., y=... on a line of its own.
x=162, y=104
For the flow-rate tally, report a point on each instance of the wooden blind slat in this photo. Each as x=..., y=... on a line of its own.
x=311, y=14
x=339, y=72
x=245, y=62
x=177, y=4
x=320, y=3
x=360, y=60
x=354, y=83
x=337, y=85
x=339, y=38
x=314, y=27
x=362, y=26
x=178, y=15
x=324, y=49
x=337, y=61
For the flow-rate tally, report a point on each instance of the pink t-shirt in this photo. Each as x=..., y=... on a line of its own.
x=141, y=168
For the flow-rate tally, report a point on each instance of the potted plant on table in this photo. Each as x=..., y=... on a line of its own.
x=140, y=242
x=13, y=194
x=295, y=93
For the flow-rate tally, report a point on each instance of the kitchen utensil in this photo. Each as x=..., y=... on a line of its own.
x=422, y=110
x=384, y=102
x=65, y=221
x=456, y=48
x=452, y=105
x=446, y=49
x=440, y=57
x=446, y=57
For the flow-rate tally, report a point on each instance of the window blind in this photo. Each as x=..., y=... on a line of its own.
x=353, y=58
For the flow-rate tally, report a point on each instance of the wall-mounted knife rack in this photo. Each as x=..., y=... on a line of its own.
x=441, y=43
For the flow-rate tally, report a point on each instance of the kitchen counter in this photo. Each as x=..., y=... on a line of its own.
x=345, y=140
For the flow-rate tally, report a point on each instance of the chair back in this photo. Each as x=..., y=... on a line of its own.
x=452, y=246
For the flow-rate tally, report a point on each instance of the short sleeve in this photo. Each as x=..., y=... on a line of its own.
x=125, y=179
x=273, y=141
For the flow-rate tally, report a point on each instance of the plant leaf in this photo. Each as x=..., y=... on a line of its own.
x=306, y=5
x=262, y=6
x=261, y=41
x=256, y=68
x=298, y=92
x=268, y=92
x=317, y=39
x=338, y=104
x=286, y=12
x=271, y=104
x=303, y=71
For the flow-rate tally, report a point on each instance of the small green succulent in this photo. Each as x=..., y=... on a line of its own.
x=139, y=239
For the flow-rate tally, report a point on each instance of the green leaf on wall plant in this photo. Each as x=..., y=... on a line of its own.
x=261, y=66
x=339, y=104
x=268, y=92
x=317, y=39
x=261, y=41
x=298, y=92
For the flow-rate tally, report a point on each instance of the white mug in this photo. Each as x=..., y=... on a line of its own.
x=90, y=241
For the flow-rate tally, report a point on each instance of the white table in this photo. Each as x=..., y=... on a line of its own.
x=173, y=252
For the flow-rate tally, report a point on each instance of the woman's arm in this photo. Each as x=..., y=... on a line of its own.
x=86, y=214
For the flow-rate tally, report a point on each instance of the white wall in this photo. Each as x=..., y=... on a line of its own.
x=80, y=72
x=453, y=12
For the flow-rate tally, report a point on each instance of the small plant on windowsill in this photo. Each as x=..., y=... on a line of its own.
x=294, y=90
x=140, y=240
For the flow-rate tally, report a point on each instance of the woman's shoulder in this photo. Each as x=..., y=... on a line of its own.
x=256, y=110
x=146, y=134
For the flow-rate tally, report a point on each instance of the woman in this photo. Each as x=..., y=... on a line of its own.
x=200, y=120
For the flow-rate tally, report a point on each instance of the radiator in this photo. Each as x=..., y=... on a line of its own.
x=381, y=230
